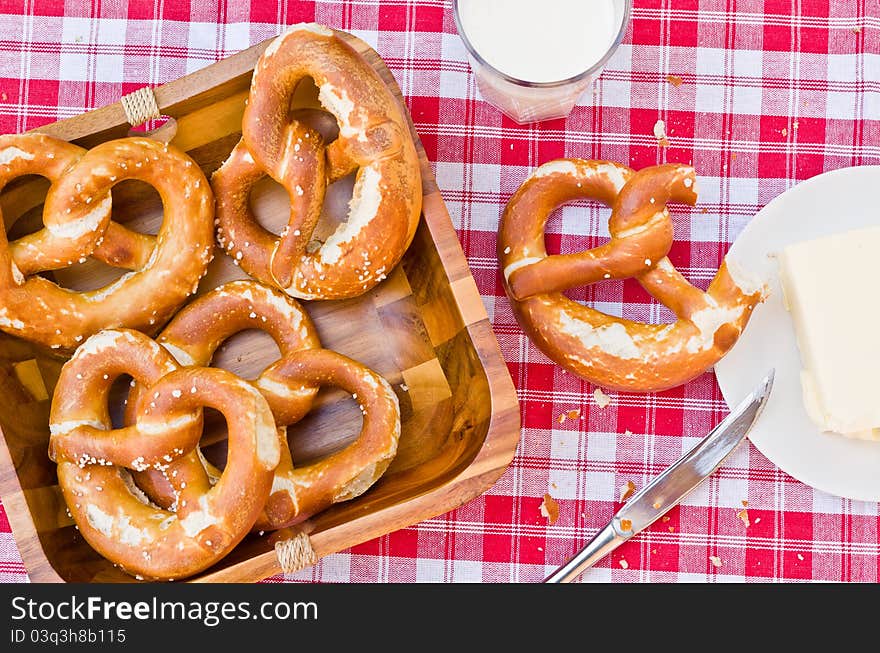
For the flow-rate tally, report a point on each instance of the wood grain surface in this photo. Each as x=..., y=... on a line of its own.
x=424, y=328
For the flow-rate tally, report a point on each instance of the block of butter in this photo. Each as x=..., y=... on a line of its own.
x=830, y=289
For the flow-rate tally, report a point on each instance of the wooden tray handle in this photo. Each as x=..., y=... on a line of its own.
x=295, y=553
x=141, y=106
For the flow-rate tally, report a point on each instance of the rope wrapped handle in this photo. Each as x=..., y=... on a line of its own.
x=295, y=553
x=141, y=106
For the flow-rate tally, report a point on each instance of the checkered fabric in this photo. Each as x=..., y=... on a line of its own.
x=771, y=92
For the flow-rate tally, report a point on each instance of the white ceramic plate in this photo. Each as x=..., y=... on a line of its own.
x=829, y=203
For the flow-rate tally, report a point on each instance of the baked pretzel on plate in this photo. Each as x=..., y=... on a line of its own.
x=610, y=351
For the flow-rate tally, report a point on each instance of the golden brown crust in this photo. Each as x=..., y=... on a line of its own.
x=609, y=351
x=199, y=329
x=289, y=385
x=195, y=334
x=374, y=139
x=300, y=492
x=95, y=461
x=164, y=269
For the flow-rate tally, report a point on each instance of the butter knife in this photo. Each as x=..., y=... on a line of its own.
x=670, y=487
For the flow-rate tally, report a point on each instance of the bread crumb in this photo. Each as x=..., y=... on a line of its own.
x=627, y=432
x=624, y=563
x=757, y=520
x=744, y=516
x=785, y=131
x=660, y=133
x=627, y=490
x=800, y=557
x=745, y=503
x=602, y=400
x=550, y=509
x=672, y=529
x=561, y=418
x=675, y=80
x=856, y=30
x=795, y=125
x=574, y=414
x=659, y=129
x=716, y=561
x=626, y=525
x=665, y=518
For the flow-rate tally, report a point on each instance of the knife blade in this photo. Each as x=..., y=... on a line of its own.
x=672, y=485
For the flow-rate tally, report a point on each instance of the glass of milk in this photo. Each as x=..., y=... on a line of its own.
x=533, y=59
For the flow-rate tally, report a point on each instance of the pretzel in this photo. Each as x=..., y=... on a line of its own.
x=300, y=492
x=609, y=351
x=163, y=269
x=94, y=459
x=374, y=139
x=289, y=385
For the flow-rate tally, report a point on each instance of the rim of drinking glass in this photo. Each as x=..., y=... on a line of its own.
x=627, y=7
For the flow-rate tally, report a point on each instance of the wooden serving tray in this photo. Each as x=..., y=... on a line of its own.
x=424, y=328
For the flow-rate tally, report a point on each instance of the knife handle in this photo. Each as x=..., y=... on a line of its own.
x=603, y=543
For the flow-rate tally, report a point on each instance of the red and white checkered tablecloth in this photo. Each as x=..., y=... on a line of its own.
x=772, y=92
